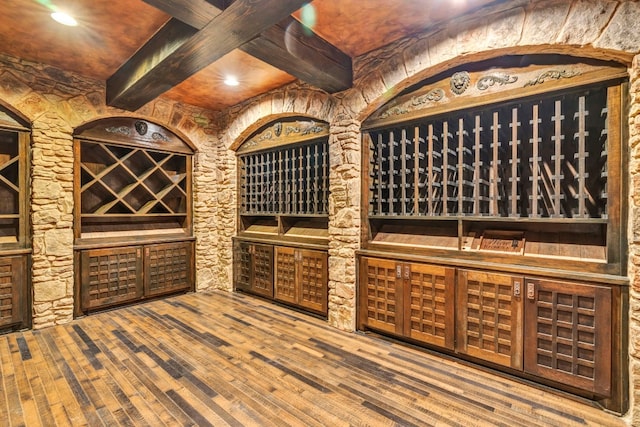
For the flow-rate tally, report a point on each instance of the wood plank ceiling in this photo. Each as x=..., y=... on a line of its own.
x=184, y=49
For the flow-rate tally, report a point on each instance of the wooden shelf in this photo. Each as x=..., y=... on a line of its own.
x=131, y=189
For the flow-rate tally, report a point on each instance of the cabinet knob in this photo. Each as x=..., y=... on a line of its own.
x=399, y=271
x=407, y=272
x=517, y=290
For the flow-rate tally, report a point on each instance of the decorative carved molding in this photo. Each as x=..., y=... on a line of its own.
x=157, y=136
x=141, y=127
x=284, y=132
x=487, y=85
x=415, y=103
x=460, y=82
x=552, y=75
x=119, y=130
x=501, y=79
x=133, y=132
x=304, y=128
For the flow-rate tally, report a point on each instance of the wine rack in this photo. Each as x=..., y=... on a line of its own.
x=133, y=218
x=132, y=183
x=283, y=203
x=10, y=187
x=541, y=158
x=518, y=193
x=287, y=180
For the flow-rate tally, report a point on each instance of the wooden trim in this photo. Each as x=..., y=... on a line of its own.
x=450, y=258
x=579, y=75
x=136, y=132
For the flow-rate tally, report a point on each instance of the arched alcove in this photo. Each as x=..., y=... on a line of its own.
x=283, y=184
x=133, y=213
x=495, y=206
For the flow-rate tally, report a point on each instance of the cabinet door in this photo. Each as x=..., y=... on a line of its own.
x=568, y=334
x=262, y=270
x=242, y=266
x=111, y=276
x=381, y=305
x=490, y=317
x=13, y=284
x=429, y=303
x=285, y=285
x=168, y=268
x=313, y=283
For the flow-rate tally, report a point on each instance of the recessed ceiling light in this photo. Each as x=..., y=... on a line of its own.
x=64, y=19
x=231, y=81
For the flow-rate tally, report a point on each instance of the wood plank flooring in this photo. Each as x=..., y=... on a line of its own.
x=216, y=359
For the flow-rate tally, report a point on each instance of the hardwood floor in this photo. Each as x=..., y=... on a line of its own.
x=214, y=359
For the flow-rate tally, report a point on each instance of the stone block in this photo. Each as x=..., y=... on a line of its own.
x=543, y=22
x=585, y=22
x=623, y=31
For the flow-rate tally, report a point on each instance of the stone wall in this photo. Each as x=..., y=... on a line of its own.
x=56, y=103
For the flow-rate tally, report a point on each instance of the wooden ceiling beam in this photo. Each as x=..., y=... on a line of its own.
x=288, y=45
x=157, y=66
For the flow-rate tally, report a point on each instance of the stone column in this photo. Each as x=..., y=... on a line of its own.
x=52, y=221
x=344, y=219
x=634, y=237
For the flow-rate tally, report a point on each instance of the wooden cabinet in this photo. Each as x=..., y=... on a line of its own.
x=111, y=276
x=15, y=241
x=568, y=333
x=254, y=268
x=518, y=188
x=301, y=278
x=132, y=222
x=294, y=276
x=414, y=300
x=168, y=268
x=283, y=201
x=13, y=298
x=489, y=317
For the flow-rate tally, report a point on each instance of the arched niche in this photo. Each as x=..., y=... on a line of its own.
x=133, y=212
x=283, y=191
x=505, y=177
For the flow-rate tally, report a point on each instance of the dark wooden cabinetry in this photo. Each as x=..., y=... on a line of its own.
x=117, y=275
x=254, y=268
x=568, y=333
x=13, y=301
x=301, y=278
x=489, y=317
x=515, y=190
x=15, y=239
x=133, y=213
x=281, y=248
x=414, y=300
x=287, y=274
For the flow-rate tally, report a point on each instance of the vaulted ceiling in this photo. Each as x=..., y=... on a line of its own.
x=184, y=49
